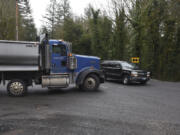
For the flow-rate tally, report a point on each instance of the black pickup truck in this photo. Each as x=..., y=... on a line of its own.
x=124, y=71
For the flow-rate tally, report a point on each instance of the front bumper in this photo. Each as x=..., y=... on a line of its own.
x=139, y=79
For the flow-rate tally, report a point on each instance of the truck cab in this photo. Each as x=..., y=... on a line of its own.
x=74, y=68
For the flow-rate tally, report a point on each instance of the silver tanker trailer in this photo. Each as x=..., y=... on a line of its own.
x=23, y=62
x=19, y=56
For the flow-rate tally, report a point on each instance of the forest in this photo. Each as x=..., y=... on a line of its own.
x=149, y=29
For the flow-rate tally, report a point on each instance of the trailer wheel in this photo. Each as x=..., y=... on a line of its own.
x=16, y=88
x=91, y=83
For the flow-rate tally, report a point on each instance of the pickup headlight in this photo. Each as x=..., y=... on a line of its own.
x=135, y=74
x=148, y=74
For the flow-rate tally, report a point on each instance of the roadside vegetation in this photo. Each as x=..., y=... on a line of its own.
x=149, y=29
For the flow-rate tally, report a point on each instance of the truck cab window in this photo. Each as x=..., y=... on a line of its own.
x=63, y=50
x=59, y=49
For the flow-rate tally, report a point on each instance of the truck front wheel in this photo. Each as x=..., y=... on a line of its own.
x=91, y=83
x=16, y=88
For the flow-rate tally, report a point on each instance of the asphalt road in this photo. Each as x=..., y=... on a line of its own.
x=152, y=109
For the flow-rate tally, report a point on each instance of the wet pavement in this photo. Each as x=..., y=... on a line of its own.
x=115, y=109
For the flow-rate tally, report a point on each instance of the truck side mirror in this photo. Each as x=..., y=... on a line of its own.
x=72, y=62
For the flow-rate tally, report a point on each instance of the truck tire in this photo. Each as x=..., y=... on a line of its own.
x=125, y=80
x=91, y=83
x=16, y=88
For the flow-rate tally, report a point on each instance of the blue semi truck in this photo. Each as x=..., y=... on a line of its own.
x=49, y=63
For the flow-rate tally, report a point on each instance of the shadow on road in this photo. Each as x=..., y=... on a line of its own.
x=57, y=91
x=130, y=85
x=70, y=91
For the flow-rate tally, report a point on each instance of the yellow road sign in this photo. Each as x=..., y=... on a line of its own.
x=135, y=59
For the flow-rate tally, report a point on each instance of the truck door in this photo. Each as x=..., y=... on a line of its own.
x=59, y=59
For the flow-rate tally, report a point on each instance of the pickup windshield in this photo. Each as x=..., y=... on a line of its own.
x=128, y=65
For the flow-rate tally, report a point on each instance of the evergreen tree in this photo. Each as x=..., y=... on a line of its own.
x=119, y=35
x=50, y=17
x=56, y=14
x=63, y=10
x=63, y=14
x=7, y=20
x=28, y=31
x=95, y=39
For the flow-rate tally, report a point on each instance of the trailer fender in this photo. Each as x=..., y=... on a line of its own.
x=82, y=76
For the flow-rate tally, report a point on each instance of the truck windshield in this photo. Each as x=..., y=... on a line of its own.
x=59, y=49
x=129, y=65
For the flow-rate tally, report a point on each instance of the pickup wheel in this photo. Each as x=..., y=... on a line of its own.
x=125, y=80
x=91, y=83
x=16, y=88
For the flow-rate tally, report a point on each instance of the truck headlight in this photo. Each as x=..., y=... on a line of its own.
x=135, y=74
x=148, y=74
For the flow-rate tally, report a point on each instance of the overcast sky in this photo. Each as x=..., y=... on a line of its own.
x=39, y=7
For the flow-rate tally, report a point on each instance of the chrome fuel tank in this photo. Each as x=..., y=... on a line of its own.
x=19, y=56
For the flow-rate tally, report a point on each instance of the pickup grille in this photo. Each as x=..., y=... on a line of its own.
x=142, y=74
